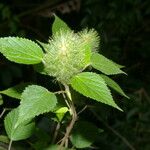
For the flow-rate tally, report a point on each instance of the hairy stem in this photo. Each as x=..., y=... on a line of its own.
x=73, y=120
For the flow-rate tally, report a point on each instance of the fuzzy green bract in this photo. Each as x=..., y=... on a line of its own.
x=69, y=53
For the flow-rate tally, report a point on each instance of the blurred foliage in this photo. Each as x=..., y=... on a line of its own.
x=124, y=27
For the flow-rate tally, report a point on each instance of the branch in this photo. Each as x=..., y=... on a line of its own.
x=56, y=132
x=74, y=118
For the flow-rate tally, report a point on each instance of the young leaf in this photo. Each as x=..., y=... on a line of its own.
x=22, y=131
x=61, y=112
x=59, y=25
x=15, y=91
x=84, y=134
x=92, y=85
x=21, y=50
x=105, y=65
x=35, y=100
x=113, y=85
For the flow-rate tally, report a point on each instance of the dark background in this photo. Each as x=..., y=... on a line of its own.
x=123, y=26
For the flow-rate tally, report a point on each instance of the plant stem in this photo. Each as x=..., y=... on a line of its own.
x=2, y=113
x=74, y=118
x=10, y=143
x=56, y=133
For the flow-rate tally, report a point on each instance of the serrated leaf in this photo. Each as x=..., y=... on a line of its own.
x=35, y=100
x=22, y=131
x=15, y=91
x=105, y=65
x=113, y=85
x=59, y=25
x=84, y=134
x=21, y=50
x=93, y=86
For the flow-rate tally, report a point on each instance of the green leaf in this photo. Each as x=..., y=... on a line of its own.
x=1, y=100
x=105, y=65
x=22, y=131
x=59, y=25
x=61, y=112
x=21, y=50
x=35, y=100
x=84, y=134
x=113, y=85
x=92, y=85
x=15, y=91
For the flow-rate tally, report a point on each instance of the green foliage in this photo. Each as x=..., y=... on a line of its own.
x=113, y=85
x=21, y=50
x=36, y=97
x=23, y=131
x=59, y=25
x=67, y=55
x=93, y=86
x=16, y=91
x=105, y=65
x=61, y=112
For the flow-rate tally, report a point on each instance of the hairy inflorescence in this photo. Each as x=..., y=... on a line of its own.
x=68, y=53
